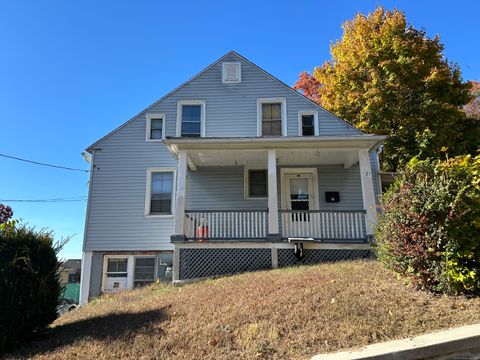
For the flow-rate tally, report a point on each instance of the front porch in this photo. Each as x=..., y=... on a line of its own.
x=319, y=192
x=245, y=225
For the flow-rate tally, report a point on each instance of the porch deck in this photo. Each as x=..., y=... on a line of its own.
x=244, y=225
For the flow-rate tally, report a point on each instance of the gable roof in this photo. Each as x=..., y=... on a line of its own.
x=231, y=52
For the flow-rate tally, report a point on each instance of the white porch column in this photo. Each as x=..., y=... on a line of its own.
x=273, y=231
x=179, y=213
x=85, y=277
x=367, y=189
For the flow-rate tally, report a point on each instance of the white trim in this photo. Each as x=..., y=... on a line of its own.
x=266, y=245
x=275, y=100
x=314, y=196
x=85, y=277
x=149, y=117
x=87, y=212
x=179, y=209
x=315, y=121
x=238, y=70
x=203, y=113
x=105, y=267
x=148, y=191
x=368, y=194
x=246, y=182
x=273, y=227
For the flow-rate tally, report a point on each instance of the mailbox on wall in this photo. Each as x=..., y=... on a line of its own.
x=332, y=196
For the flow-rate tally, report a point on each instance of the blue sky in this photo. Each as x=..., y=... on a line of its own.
x=71, y=71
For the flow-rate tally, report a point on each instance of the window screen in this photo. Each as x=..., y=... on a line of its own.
x=257, y=183
x=161, y=193
x=191, y=120
x=144, y=270
x=272, y=119
x=308, y=128
x=156, y=126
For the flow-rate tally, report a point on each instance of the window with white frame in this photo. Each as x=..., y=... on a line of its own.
x=231, y=72
x=191, y=118
x=144, y=270
x=256, y=183
x=308, y=123
x=271, y=115
x=160, y=190
x=117, y=267
x=155, y=126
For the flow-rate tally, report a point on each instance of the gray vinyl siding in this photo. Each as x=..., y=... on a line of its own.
x=231, y=109
x=222, y=188
x=116, y=220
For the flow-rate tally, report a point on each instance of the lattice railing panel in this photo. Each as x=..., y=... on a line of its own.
x=199, y=263
x=286, y=257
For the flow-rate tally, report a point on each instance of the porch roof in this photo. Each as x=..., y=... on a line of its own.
x=291, y=150
x=284, y=142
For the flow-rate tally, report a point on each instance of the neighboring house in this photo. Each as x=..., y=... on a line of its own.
x=70, y=271
x=232, y=171
x=69, y=275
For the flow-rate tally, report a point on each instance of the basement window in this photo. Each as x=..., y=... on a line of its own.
x=144, y=271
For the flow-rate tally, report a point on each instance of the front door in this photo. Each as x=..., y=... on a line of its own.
x=299, y=192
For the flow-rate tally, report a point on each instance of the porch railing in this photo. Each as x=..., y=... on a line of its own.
x=225, y=224
x=323, y=224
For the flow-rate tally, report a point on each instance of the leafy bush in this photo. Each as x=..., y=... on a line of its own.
x=430, y=226
x=29, y=285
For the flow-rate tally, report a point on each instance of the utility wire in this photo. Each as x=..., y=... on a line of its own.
x=54, y=200
x=43, y=164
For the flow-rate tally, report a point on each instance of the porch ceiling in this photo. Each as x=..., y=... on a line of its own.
x=284, y=157
x=290, y=150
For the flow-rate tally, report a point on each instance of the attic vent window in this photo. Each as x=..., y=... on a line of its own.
x=231, y=72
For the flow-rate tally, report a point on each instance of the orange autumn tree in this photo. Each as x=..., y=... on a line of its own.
x=386, y=77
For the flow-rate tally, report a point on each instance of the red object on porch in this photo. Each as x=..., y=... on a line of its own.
x=202, y=232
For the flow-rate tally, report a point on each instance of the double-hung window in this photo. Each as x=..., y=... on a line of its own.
x=160, y=192
x=155, y=127
x=191, y=118
x=308, y=123
x=256, y=183
x=271, y=117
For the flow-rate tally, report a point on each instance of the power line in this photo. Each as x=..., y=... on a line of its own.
x=54, y=200
x=43, y=164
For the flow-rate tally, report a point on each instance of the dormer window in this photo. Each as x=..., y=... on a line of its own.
x=231, y=72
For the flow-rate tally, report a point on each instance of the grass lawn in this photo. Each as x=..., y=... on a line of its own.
x=290, y=313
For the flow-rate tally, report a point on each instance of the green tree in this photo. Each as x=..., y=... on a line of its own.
x=386, y=77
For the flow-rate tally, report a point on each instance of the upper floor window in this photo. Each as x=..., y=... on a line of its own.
x=271, y=117
x=191, y=118
x=231, y=72
x=155, y=127
x=308, y=123
x=160, y=192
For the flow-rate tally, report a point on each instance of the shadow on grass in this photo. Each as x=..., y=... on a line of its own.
x=110, y=327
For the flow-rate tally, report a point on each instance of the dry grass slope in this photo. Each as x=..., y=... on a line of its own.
x=283, y=314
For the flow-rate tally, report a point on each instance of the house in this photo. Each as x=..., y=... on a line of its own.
x=69, y=276
x=69, y=271
x=231, y=171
